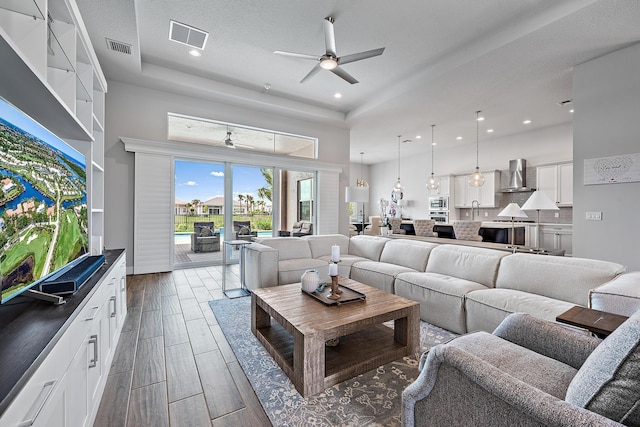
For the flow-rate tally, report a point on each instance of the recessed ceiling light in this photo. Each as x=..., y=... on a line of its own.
x=194, y=52
x=526, y=122
x=434, y=143
x=571, y=111
x=480, y=118
x=489, y=130
x=337, y=95
x=267, y=86
x=458, y=138
x=418, y=136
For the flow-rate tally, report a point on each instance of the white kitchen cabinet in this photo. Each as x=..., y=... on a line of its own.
x=557, y=182
x=557, y=236
x=464, y=194
x=445, y=186
x=66, y=388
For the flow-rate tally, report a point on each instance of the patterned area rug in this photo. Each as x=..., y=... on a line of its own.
x=370, y=399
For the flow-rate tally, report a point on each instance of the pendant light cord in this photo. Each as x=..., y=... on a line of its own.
x=399, y=136
x=477, y=138
x=432, y=127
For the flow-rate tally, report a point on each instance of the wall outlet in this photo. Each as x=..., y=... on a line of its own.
x=486, y=214
x=466, y=214
x=593, y=216
x=556, y=215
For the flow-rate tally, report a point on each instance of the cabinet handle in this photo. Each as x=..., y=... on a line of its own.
x=94, y=340
x=44, y=395
x=113, y=281
x=115, y=308
x=93, y=315
x=123, y=284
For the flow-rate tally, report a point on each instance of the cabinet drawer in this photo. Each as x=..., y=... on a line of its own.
x=83, y=323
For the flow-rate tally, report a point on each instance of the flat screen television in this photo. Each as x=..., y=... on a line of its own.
x=43, y=203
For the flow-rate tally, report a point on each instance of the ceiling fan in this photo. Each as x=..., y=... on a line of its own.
x=228, y=142
x=330, y=60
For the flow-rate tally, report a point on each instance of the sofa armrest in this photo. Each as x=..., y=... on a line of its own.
x=547, y=338
x=261, y=266
x=620, y=295
x=450, y=371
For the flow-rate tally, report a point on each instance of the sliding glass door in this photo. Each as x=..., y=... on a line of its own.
x=252, y=202
x=199, y=213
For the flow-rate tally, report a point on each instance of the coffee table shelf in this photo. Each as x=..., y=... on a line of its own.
x=293, y=328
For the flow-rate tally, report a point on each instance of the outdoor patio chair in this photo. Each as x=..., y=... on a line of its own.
x=242, y=231
x=205, y=238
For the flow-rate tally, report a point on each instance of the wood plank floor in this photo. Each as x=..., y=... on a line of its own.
x=173, y=365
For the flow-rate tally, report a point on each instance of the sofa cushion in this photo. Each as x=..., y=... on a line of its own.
x=320, y=245
x=407, y=253
x=608, y=383
x=562, y=278
x=620, y=296
x=291, y=270
x=485, y=309
x=380, y=275
x=369, y=247
x=346, y=261
x=474, y=264
x=288, y=247
x=441, y=297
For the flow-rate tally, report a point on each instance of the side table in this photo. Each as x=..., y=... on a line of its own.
x=242, y=291
x=599, y=322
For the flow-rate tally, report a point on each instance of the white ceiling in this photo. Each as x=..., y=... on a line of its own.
x=443, y=60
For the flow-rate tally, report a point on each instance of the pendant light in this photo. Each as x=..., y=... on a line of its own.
x=477, y=179
x=433, y=183
x=398, y=187
x=361, y=182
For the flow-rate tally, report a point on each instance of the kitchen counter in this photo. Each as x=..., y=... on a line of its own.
x=492, y=232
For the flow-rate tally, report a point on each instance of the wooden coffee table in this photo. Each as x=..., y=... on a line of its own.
x=296, y=339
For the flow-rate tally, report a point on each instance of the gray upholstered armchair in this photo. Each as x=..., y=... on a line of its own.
x=242, y=230
x=205, y=238
x=529, y=372
x=302, y=228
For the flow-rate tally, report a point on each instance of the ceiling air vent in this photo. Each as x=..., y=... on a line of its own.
x=117, y=46
x=188, y=35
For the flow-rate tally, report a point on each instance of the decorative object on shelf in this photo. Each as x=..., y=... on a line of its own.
x=513, y=211
x=539, y=201
x=477, y=179
x=433, y=183
x=359, y=193
x=336, y=293
x=310, y=280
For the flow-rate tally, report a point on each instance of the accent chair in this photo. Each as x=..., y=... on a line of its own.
x=424, y=227
x=529, y=372
x=395, y=226
x=242, y=230
x=205, y=238
x=373, y=229
x=302, y=228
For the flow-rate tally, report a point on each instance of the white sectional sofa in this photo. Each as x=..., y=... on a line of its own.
x=460, y=288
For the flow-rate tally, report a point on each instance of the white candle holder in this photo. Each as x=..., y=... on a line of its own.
x=336, y=293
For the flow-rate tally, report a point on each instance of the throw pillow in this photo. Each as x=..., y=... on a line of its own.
x=206, y=231
x=244, y=230
x=608, y=382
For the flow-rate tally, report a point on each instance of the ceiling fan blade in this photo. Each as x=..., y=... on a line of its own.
x=311, y=73
x=329, y=36
x=360, y=56
x=297, y=55
x=344, y=75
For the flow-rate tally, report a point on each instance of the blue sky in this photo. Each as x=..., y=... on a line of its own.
x=204, y=181
x=16, y=117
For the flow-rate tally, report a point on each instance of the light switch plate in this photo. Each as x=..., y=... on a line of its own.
x=593, y=216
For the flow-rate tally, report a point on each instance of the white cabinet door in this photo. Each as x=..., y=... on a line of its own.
x=487, y=193
x=565, y=184
x=460, y=195
x=557, y=182
x=556, y=237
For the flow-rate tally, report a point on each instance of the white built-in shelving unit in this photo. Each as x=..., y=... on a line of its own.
x=50, y=71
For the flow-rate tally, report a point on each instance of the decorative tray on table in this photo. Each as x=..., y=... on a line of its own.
x=323, y=291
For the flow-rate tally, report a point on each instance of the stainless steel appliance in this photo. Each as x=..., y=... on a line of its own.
x=439, y=203
x=439, y=216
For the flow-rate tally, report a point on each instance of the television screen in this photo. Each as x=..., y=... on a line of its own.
x=43, y=202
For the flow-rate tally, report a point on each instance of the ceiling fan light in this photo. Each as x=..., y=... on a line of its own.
x=476, y=179
x=328, y=63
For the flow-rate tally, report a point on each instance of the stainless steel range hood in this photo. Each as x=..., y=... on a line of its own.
x=517, y=177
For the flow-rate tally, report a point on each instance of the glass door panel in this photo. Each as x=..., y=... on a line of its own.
x=252, y=202
x=297, y=192
x=198, y=213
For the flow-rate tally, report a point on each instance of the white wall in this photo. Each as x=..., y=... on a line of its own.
x=607, y=123
x=137, y=112
x=549, y=145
